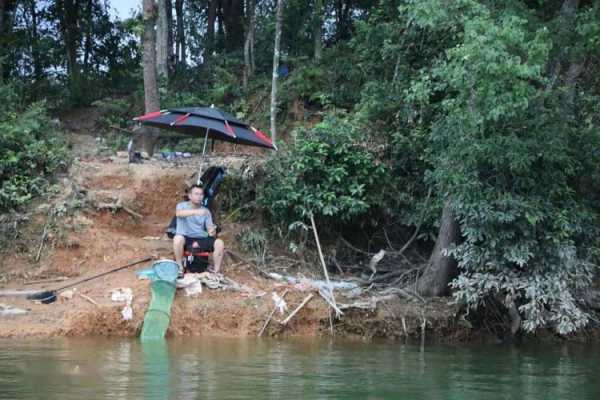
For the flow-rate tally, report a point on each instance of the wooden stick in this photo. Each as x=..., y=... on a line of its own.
x=271, y=314
x=88, y=298
x=314, y=226
x=131, y=212
x=39, y=252
x=289, y=317
x=331, y=304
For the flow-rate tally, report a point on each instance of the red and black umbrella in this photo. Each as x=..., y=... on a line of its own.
x=208, y=122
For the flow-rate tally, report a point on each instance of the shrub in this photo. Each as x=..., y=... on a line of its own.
x=329, y=171
x=30, y=150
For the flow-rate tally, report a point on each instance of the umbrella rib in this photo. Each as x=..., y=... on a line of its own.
x=149, y=115
x=180, y=119
x=229, y=129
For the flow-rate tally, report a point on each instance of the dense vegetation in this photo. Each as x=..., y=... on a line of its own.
x=471, y=116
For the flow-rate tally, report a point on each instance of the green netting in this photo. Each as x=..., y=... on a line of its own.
x=158, y=315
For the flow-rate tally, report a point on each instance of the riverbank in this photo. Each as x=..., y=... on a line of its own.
x=108, y=213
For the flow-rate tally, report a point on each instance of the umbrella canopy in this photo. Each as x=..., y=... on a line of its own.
x=207, y=122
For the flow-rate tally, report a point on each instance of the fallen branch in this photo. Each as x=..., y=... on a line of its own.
x=314, y=227
x=289, y=317
x=271, y=314
x=88, y=298
x=374, y=261
x=325, y=296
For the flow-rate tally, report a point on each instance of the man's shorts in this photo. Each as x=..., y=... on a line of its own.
x=206, y=244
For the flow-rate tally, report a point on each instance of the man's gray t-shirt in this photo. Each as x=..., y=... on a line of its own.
x=195, y=226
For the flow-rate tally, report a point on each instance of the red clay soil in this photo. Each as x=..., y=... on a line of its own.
x=94, y=239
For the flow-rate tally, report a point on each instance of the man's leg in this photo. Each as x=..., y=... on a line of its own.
x=178, y=243
x=219, y=247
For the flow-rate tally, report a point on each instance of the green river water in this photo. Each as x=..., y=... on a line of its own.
x=212, y=368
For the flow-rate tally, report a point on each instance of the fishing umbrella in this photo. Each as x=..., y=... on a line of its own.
x=209, y=122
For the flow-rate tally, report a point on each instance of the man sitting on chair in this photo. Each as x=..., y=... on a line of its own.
x=195, y=224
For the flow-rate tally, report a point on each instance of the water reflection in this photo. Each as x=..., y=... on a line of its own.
x=155, y=363
x=310, y=369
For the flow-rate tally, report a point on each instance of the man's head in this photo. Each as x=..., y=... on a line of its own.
x=196, y=194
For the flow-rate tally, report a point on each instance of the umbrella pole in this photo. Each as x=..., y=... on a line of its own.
x=203, y=157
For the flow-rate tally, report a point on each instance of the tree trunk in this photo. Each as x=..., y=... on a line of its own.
x=318, y=30
x=151, y=100
x=248, y=43
x=567, y=13
x=211, y=15
x=440, y=269
x=278, y=23
x=6, y=7
x=68, y=11
x=162, y=39
x=3, y=12
x=233, y=18
x=170, y=27
x=88, y=39
x=180, y=39
x=35, y=51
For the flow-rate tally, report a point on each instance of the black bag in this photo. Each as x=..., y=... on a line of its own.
x=211, y=180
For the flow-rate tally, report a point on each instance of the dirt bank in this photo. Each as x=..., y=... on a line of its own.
x=108, y=212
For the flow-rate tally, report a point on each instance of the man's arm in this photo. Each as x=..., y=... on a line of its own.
x=189, y=213
x=211, y=228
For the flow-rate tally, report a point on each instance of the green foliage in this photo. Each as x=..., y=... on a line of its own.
x=511, y=165
x=305, y=83
x=237, y=194
x=30, y=151
x=254, y=242
x=115, y=112
x=329, y=172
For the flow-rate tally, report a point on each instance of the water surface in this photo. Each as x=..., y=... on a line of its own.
x=212, y=368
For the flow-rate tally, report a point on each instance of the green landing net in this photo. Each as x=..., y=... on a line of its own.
x=158, y=315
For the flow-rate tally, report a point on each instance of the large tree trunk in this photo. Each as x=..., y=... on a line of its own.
x=180, y=38
x=69, y=14
x=440, y=269
x=248, y=50
x=162, y=40
x=151, y=100
x=278, y=23
x=318, y=29
x=211, y=16
x=567, y=13
x=233, y=18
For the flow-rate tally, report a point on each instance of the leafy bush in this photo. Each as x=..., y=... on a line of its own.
x=329, y=171
x=513, y=168
x=30, y=150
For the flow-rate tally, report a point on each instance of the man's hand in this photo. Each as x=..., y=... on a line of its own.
x=212, y=231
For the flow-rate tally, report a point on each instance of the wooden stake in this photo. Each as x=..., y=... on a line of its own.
x=314, y=227
x=289, y=317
